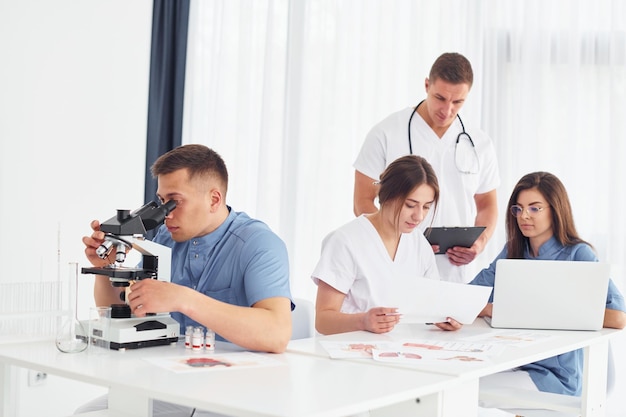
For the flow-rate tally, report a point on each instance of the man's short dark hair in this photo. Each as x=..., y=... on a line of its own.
x=199, y=160
x=453, y=68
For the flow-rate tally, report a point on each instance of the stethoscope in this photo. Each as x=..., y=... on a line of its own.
x=470, y=165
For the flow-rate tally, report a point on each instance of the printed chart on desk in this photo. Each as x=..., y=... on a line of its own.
x=475, y=349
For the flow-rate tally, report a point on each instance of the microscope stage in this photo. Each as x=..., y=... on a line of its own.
x=120, y=272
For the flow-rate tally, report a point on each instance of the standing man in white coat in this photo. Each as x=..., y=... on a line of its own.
x=462, y=156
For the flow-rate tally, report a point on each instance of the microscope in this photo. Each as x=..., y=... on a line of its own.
x=124, y=232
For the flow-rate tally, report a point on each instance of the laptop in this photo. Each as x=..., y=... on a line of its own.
x=556, y=295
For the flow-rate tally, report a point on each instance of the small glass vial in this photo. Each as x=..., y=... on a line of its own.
x=209, y=340
x=188, y=333
x=197, y=338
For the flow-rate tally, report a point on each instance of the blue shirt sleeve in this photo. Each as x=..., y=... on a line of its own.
x=265, y=265
x=487, y=277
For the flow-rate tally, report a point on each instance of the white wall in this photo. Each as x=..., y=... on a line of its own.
x=73, y=108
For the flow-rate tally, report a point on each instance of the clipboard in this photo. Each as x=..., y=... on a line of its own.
x=447, y=237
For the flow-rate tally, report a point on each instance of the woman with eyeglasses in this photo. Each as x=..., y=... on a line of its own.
x=541, y=226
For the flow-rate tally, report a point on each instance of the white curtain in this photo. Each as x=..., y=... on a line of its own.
x=286, y=91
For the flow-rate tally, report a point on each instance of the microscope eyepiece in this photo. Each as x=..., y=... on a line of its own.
x=157, y=214
x=122, y=215
x=169, y=206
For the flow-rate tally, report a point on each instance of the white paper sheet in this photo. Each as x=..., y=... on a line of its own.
x=431, y=301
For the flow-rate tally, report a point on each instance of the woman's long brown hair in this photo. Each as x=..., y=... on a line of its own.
x=553, y=190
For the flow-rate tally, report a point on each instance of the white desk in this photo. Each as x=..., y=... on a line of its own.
x=595, y=345
x=306, y=384
x=302, y=386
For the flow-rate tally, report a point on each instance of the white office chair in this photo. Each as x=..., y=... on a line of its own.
x=303, y=319
x=544, y=404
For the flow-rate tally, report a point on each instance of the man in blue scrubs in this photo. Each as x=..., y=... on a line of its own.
x=230, y=273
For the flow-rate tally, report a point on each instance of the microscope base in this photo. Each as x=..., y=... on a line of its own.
x=138, y=332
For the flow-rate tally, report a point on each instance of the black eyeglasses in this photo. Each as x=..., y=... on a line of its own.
x=532, y=210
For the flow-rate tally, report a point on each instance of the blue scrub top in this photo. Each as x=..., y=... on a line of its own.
x=240, y=263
